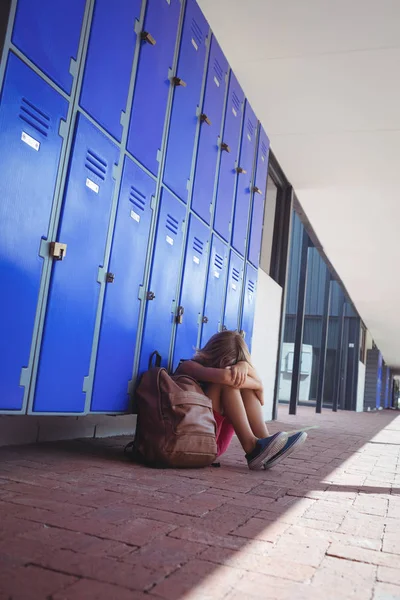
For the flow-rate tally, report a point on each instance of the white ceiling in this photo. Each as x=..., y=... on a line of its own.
x=324, y=79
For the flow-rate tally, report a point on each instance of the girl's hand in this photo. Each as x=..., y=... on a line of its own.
x=239, y=373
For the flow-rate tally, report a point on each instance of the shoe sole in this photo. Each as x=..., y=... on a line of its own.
x=275, y=447
x=292, y=448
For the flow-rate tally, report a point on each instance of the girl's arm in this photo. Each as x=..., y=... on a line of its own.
x=205, y=374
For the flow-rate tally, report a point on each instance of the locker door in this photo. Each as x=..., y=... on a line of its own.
x=244, y=178
x=161, y=295
x=30, y=115
x=233, y=292
x=191, y=298
x=109, y=62
x=184, y=116
x=119, y=325
x=249, y=303
x=74, y=291
x=152, y=82
x=229, y=156
x=259, y=193
x=210, y=130
x=48, y=33
x=215, y=293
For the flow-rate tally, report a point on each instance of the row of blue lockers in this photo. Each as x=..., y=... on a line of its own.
x=158, y=220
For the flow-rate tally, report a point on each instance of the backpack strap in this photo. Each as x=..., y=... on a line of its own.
x=157, y=359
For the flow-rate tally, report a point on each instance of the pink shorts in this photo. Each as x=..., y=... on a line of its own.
x=225, y=432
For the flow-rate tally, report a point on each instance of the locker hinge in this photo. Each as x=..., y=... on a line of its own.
x=57, y=250
x=159, y=155
x=24, y=377
x=130, y=388
x=101, y=275
x=123, y=119
x=153, y=203
x=73, y=67
x=43, y=248
x=63, y=130
x=146, y=36
x=138, y=27
x=115, y=169
x=141, y=293
x=86, y=384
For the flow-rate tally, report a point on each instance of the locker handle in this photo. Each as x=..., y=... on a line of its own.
x=58, y=250
x=147, y=37
x=204, y=320
x=205, y=119
x=257, y=190
x=224, y=328
x=224, y=146
x=150, y=296
x=110, y=277
x=241, y=170
x=177, y=81
x=179, y=316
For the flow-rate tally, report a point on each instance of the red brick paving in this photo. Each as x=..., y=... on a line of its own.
x=80, y=522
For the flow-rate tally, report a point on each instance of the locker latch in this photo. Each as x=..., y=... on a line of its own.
x=57, y=250
x=204, y=119
x=110, y=277
x=147, y=37
x=179, y=315
x=204, y=320
x=224, y=328
x=177, y=81
x=150, y=295
x=257, y=190
x=225, y=147
x=241, y=170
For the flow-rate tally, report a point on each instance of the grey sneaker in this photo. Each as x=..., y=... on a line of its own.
x=265, y=449
x=293, y=443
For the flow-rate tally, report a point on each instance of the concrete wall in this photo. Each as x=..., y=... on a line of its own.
x=266, y=336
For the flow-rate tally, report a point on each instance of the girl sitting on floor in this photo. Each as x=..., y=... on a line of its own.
x=223, y=368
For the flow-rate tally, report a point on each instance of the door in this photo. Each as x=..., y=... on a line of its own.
x=74, y=290
x=210, y=131
x=259, y=192
x=233, y=292
x=229, y=157
x=162, y=293
x=249, y=303
x=116, y=351
x=153, y=83
x=192, y=292
x=48, y=33
x=30, y=116
x=215, y=292
x=109, y=62
x=186, y=101
x=244, y=179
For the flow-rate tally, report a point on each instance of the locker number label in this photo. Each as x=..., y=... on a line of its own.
x=196, y=260
x=195, y=46
x=216, y=82
x=234, y=286
x=216, y=274
x=135, y=216
x=249, y=137
x=30, y=141
x=234, y=111
x=170, y=241
x=92, y=186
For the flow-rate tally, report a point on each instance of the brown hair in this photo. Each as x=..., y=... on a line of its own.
x=223, y=350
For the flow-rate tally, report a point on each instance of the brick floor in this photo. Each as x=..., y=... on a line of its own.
x=77, y=521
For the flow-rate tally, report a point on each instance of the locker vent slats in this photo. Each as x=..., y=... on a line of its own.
x=172, y=224
x=235, y=274
x=264, y=148
x=137, y=198
x=197, y=33
x=198, y=245
x=218, y=70
x=236, y=102
x=96, y=165
x=251, y=286
x=250, y=127
x=218, y=261
x=34, y=117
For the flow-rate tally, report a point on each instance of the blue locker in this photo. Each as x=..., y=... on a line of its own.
x=191, y=298
x=119, y=325
x=215, y=293
x=244, y=179
x=73, y=298
x=109, y=62
x=184, y=116
x=259, y=194
x=233, y=292
x=161, y=295
x=30, y=115
x=229, y=156
x=48, y=33
x=152, y=81
x=210, y=130
x=249, y=303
